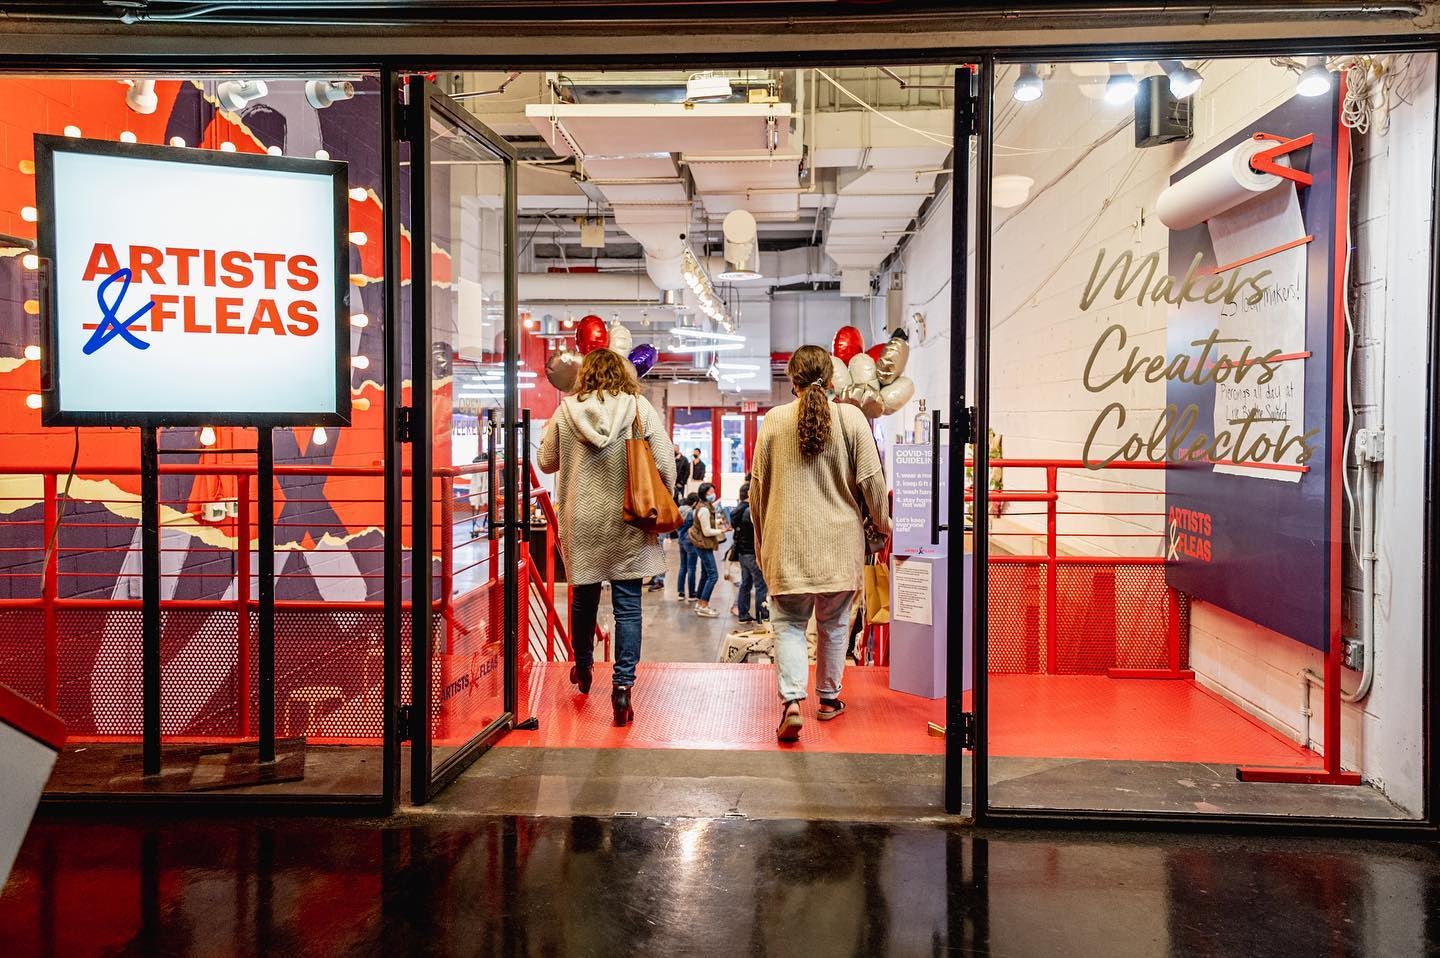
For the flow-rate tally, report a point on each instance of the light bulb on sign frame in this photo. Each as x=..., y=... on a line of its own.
x=207, y=436
x=319, y=437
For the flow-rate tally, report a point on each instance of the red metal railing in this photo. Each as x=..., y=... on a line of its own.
x=1085, y=595
x=223, y=549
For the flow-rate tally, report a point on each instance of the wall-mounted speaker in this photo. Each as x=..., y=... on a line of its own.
x=1159, y=117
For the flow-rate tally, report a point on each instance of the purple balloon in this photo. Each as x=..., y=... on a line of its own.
x=644, y=357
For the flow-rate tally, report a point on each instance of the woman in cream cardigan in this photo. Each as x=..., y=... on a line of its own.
x=585, y=443
x=816, y=474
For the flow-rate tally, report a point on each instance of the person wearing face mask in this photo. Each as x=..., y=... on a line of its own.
x=706, y=535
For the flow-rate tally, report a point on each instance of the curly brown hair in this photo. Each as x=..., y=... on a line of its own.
x=603, y=371
x=810, y=370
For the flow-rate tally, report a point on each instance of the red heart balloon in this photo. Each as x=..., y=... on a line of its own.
x=874, y=351
x=591, y=334
x=848, y=342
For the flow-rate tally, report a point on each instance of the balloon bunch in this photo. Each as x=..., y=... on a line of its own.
x=591, y=333
x=871, y=379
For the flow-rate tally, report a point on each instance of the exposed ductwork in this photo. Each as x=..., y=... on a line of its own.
x=660, y=231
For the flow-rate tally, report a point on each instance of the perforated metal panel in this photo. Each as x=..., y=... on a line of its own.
x=1017, y=612
x=22, y=653
x=329, y=674
x=99, y=671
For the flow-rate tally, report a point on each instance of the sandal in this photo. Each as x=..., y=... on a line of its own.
x=829, y=709
x=790, y=723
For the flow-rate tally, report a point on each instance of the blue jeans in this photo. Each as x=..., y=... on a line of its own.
x=689, y=584
x=791, y=614
x=705, y=559
x=585, y=608
x=751, y=580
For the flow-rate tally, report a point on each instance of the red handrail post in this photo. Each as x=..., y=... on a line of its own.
x=50, y=591
x=550, y=592
x=242, y=596
x=1172, y=611
x=1052, y=546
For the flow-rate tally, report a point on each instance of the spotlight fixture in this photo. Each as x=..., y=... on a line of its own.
x=1184, y=81
x=322, y=93
x=235, y=95
x=1315, y=81
x=141, y=97
x=1028, y=85
x=1121, y=87
x=707, y=86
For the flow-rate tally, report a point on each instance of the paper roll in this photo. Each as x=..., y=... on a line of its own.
x=1222, y=184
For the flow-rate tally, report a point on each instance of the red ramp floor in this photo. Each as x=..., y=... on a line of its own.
x=713, y=706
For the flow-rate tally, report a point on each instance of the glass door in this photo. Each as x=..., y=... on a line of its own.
x=463, y=524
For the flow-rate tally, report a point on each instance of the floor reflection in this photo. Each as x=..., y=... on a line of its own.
x=621, y=886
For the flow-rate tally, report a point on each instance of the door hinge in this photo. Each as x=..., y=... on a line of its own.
x=402, y=723
x=968, y=738
x=405, y=424
x=969, y=118
x=967, y=425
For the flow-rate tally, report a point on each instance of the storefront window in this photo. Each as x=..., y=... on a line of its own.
x=1209, y=315
x=70, y=622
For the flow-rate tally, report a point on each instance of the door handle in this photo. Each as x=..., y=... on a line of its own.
x=935, y=525
x=490, y=525
x=524, y=477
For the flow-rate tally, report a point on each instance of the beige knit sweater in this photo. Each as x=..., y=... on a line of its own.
x=585, y=443
x=809, y=531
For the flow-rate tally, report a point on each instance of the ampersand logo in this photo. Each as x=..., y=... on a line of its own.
x=110, y=323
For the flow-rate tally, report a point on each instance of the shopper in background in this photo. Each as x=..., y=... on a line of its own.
x=706, y=536
x=682, y=475
x=752, y=581
x=815, y=476
x=688, y=588
x=585, y=443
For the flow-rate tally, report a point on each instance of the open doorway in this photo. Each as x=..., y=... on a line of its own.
x=706, y=226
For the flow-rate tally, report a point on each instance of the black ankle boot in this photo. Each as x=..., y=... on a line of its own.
x=620, y=702
x=580, y=676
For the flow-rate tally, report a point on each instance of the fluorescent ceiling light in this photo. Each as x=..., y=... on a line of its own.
x=707, y=334
x=705, y=348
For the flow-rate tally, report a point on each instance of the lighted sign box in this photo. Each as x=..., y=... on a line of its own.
x=190, y=287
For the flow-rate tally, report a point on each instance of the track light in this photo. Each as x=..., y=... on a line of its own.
x=1121, y=87
x=141, y=97
x=322, y=93
x=1028, y=85
x=1315, y=81
x=1184, y=81
x=235, y=95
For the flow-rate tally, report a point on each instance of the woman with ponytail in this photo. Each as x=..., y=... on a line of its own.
x=816, y=474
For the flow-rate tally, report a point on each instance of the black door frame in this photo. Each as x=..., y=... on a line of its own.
x=392, y=68
x=424, y=101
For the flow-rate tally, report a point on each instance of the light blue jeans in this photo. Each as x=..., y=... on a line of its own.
x=790, y=614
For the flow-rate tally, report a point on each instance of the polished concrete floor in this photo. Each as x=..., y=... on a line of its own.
x=449, y=885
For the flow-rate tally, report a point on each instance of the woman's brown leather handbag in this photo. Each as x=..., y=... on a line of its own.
x=649, y=504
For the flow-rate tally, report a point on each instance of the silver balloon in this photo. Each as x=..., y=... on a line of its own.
x=866, y=397
x=862, y=370
x=563, y=368
x=897, y=394
x=892, y=360
x=620, y=339
x=840, y=378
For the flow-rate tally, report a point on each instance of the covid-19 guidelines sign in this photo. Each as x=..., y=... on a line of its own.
x=190, y=287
